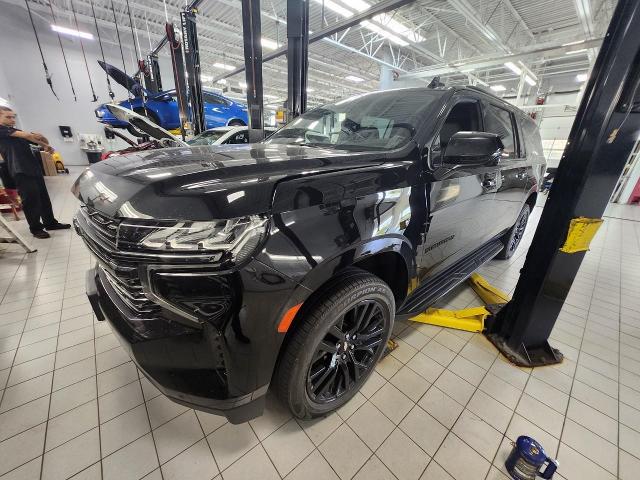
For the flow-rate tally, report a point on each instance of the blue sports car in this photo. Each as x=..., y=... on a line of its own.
x=162, y=107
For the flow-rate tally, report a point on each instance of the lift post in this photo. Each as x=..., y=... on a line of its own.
x=152, y=81
x=192, y=64
x=297, y=56
x=252, y=35
x=177, y=62
x=602, y=136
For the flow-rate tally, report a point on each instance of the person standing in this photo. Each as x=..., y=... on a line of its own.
x=25, y=167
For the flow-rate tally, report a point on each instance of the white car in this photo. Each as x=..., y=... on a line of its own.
x=225, y=135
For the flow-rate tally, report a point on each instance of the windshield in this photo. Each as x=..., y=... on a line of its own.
x=207, y=138
x=375, y=121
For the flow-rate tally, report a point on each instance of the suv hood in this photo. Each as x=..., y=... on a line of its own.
x=122, y=79
x=205, y=183
x=143, y=123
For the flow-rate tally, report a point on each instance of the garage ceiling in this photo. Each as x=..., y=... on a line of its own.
x=461, y=40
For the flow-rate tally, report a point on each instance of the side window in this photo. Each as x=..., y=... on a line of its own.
x=532, y=139
x=499, y=121
x=213, y=99
x=463, y=117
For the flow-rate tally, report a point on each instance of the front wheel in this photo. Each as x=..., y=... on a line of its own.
x=336, y=345
x=512, y=238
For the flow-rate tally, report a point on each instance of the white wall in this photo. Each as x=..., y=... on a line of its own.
x=23, y=82
x=5, y=92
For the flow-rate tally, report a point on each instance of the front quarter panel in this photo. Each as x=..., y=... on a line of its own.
x=323, y=224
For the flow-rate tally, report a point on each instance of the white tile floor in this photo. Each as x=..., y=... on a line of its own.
x=443, y=405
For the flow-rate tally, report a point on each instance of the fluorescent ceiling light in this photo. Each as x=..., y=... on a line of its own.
x=242, y=84
x=582, y=77
x=529, y=80
x=268, y=43
x=388, y=22
x=498, y=88
x=359, y=5
x=224, y=66
x=336, y=8
x=206, y=78
x=513, y=67
x=384, y=25
x=374, y=27
x=572, y=43
x=71, y=32
x=353, y=78
x=467, y=70
x=222, y=81
x=310, y=90
x=574, y=52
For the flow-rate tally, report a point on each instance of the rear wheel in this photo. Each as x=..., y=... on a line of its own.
x=512, y=238
x=236, y=123
x=336, y=346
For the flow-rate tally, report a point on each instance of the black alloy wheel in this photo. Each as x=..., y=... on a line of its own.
x=514, y=236
x=346, y=352
x=518, y=232
x=334, y=344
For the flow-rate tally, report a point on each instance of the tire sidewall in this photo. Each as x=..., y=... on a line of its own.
x=299, y=400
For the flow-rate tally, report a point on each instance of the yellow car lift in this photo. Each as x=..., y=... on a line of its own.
x=469, y=319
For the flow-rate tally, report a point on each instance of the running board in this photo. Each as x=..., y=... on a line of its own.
x=427, y=294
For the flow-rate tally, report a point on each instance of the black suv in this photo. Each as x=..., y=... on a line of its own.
x=228, y=270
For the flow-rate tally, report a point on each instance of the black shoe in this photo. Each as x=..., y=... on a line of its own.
x=57, y=226
x=41, y=234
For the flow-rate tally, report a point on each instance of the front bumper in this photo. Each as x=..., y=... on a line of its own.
x=223, y=370
x=185, y=365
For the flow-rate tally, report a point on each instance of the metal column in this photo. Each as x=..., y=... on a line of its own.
x=179, y=76
x=154, y=83
x=251, y=30
x=297, y=56
x=603, y=134
x=192, y=64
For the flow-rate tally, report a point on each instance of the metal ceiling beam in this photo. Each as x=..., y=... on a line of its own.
x=376, y=9
x=488, y=62
x=585, y=15
x=514, y=13
x=475, y=19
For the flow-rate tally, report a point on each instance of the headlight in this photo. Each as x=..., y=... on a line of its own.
x=221, y=240
x=99, y=113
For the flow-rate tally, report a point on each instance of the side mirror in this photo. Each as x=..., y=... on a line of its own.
x=473, y=148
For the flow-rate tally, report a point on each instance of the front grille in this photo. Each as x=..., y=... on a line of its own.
x=105, y=227
x=99, y=232
x=129, y=289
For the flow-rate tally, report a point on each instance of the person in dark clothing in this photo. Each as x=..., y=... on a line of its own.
x=24, y=166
